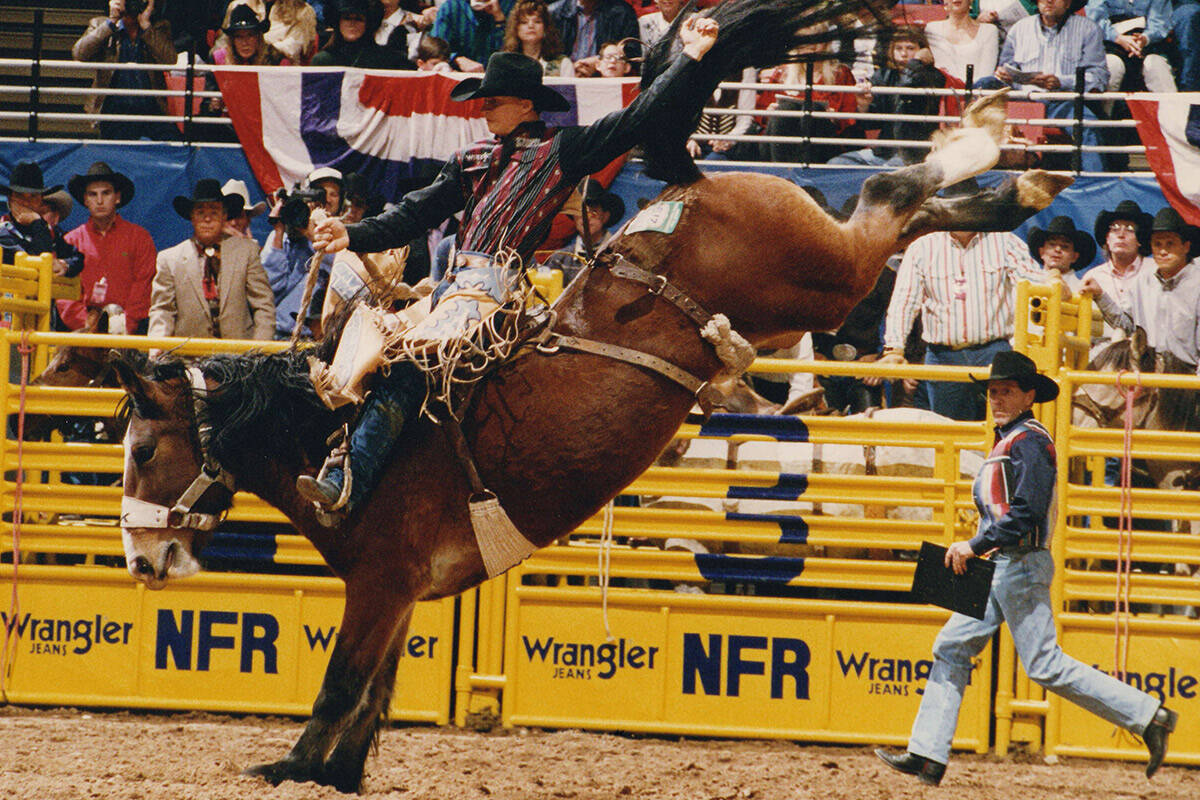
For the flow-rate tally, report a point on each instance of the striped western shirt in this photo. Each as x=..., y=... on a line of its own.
x=1058, y=51
x=1014, y=490
x=964, y=294
x=511, y=187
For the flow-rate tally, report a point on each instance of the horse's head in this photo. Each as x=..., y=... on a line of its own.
x=174, y=495
x=1130, y=354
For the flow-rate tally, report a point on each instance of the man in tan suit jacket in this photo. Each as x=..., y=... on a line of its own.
x=211, y=285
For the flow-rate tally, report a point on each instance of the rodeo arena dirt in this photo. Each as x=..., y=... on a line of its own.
x=784, y=399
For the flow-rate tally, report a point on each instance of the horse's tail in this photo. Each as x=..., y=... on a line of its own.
x=752, y=33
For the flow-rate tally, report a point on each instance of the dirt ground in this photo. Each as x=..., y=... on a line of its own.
x=66, y=754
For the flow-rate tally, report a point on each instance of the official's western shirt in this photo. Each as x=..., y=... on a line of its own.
x=1015, y=489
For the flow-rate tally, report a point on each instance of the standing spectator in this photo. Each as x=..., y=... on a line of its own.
x=1185, y=24
x=118, y=256
x=242, y=212
x=285, y=257
x=210, y=285
x=403, y=24
x=1061, y=247
x=962, y=284
x=652, y=26
x=1043, y=50
x=1124, y=235
x=353, y=41
x=958, y=40
x=1141, y=50
x=127, y=36
x=474, y=29
x=585, y=25
x=23, y=230
x=531, y=31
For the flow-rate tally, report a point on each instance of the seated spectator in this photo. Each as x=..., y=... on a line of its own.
x=958, y=41
x=1056, y=35
x=600, y=211
x=857, y=49
x=210, y=285
x=1061, y=247
x=403, y=24
x=474, y=29
x=243, y=41
x=531, y=31
x=585, y=25
x=192, y=23
x=293, y=26
x=353, y=41
x=242, y=212
x=1185, y=24
x=1135, y=43
x=718, y=124
x=127, y=35
x=433, y=54
x=1002, y=13
x=328, y=180
x=652, y=26
x=118, y=256
x=909, y=64
x=285, y=257
x=23, y=230
x=610, y=63
x=859, y=338
x=1124, y=235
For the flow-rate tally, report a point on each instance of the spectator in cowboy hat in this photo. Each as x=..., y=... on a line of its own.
x=118, y=264
x=241, y=213
x=599, y=210
x=211, y=285
x=59, y=206
x=353, y=42
x=22, y=229
x=1062, y=247
x=1123, y=234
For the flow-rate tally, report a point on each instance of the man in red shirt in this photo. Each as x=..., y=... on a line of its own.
x=118, y=256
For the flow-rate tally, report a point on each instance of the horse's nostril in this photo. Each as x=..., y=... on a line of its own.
x=141, y=565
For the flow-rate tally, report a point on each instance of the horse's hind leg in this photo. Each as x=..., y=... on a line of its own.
x=1000, y=209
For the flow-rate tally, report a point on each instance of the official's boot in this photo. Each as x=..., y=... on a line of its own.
x=1158, y=730
x=927, y=770
x=345, y=481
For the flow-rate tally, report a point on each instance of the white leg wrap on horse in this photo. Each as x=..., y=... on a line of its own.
x=500, y=543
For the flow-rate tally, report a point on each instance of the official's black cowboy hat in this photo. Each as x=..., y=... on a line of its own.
x=512, y=75
x=99, y=171
x=1085, y=246
x=1129, y=210
x=1009, y=365
x=208, y=190
x=1168, y=220
x=243, y=18
x=597, y=195
x=27, y=178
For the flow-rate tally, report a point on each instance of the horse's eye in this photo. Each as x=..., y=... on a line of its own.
x=143, y=453
x=64, y=367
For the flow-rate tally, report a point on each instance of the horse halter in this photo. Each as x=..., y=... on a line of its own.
x=137, y=513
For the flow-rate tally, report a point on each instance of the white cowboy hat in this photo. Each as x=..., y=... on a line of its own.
x=239, y=188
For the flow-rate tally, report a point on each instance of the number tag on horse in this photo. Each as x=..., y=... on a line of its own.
x=657, y=218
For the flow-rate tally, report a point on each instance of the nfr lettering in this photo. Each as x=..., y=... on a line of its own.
x=189, y=644
x=737, y=656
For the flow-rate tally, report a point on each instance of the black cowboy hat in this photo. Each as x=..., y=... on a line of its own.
x=99, y=171
x=61, y=202
x=512, y=75
x=1009, y=365
x=208, y=190
x=597, y=195
x=1168, y=220
x=1085, y=246
x=27, y=178
x=1076, y=5
x=1126, y=209
x=243, y=18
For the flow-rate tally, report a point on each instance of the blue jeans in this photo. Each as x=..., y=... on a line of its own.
x=1185, y=24
x=1063, y=109
x=1021, y=597
x=961, y=401
x=866, y=157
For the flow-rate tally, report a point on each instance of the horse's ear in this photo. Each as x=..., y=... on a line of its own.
x=134, y=384
x=1137, y=343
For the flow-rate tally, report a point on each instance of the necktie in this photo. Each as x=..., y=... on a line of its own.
x=212, y=273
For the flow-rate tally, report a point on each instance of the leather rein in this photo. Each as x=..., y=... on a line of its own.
x=137, y=513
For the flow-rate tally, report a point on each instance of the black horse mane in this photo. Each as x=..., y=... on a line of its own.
x=752, y=33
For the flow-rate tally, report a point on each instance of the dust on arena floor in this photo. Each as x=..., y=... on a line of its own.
x=68, y=754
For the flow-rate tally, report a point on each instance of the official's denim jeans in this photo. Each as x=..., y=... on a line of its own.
x=1021, y=597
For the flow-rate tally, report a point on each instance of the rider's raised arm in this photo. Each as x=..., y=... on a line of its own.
x=417, y=213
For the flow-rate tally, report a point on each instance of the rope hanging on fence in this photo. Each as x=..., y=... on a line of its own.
x=604, y=565
x=14, y=609
x=1125, y=535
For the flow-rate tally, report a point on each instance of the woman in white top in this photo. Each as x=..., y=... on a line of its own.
x=959, y=40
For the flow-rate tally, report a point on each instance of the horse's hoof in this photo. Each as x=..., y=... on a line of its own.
x=285, y=770
x=1037, y=188
x=988, y=112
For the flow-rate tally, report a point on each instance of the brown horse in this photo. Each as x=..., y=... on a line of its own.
x=555, y=434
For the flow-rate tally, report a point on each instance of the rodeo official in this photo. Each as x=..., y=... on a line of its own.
x=1014, y=492
x=509, y=189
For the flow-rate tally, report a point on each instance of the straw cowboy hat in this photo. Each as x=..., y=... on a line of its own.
x=236, y=188
x=207, y=191
x=1085, y=246
x=512, y=75
x=27, y=178
x=99, y=171
x=61, y=202
x=1009, y=365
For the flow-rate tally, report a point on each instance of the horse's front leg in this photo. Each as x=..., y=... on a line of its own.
x=369, y=626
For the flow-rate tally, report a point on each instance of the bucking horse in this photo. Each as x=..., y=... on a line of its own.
x=555, y=432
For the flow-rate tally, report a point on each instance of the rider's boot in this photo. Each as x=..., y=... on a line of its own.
x=391, y=401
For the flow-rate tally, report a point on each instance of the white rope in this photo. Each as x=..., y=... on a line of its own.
x=604, y=565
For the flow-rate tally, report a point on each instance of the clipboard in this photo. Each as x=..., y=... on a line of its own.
x=935, y=583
